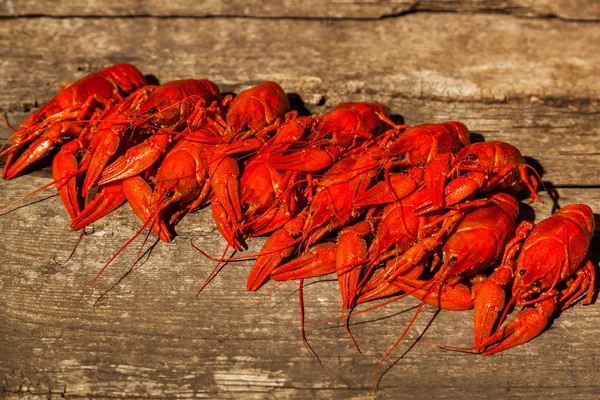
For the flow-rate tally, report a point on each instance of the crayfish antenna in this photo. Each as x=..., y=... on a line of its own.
x=224, y=259
x=376, y=306
x=304, y=340
x=81, y=234
x=3, y=119
x=470, y=350
x=207, y=256
x=274, y=288
x=72, y=251
x=214, y=271
x=347, y=329
x=148, y=222
x=139, y=254
x=110, y=261
x=43, y=187
x=406, y=330
x=8, y=125
x=239, y=258
x=10, y=148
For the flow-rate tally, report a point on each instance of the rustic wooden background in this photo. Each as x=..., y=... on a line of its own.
x=522, y=71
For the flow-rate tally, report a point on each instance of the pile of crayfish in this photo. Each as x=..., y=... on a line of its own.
x=392, y=210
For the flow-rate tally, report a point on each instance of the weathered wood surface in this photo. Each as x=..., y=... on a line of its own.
x=578, y=10
x=538, y=90
x=530, y=82
x=150, y=337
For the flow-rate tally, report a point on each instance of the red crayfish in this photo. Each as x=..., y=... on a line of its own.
x=68, y=114
x=551, y=272
x=391, y=210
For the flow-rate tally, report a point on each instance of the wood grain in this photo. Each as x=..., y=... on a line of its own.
x=578, y=10
x=150, y=337
x=535, y=93
x=530, y=81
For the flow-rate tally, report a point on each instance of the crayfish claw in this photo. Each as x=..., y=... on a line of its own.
x=526, y=325
x=318, y=262
x=136, y=160
x=107, y=199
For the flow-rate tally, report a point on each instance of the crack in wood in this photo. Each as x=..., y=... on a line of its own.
x=577, y=105
x=381, y=17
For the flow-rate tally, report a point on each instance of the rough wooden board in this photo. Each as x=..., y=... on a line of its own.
x=150, y=337
x=467, y=57
x=584, y=10
x=531, y=82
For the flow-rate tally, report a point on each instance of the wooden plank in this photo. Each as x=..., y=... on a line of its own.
x=539, y=93
x=530, y=82
x=149, y=337
x=335, y=9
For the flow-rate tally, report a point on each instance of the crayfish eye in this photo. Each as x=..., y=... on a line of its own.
x=452, y=260
x=400, y=157
x=471, y=157
x=521, y=272
x=536, y=284
x=41, y=119
x=153, y=110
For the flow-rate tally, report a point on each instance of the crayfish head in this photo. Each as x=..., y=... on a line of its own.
x=491, y=156
x=478, y=240
x=539, y=269
x=475, y=156
x=256, y=108
x=171, y=104
x=410, y=149
x=525, y=291
x=335, y=126
x=176, y=178
x=246, y=116
x=340, y=126
x=161, y=109
x=464, y=260
x=422, y=143
x=126, y=77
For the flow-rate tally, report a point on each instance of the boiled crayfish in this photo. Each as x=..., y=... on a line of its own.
x=552, y=271
x=391, y=210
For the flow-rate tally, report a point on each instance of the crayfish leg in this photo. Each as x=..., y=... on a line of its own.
x=584, y=281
